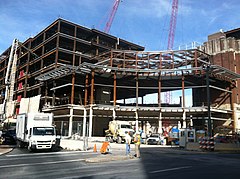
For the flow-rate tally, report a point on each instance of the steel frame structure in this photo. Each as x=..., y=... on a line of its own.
x=82, y=74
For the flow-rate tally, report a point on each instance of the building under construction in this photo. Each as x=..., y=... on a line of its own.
x=86, y=77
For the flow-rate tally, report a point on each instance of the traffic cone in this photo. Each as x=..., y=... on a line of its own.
x=95, y=148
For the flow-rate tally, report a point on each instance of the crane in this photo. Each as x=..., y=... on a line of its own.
x=171, y=35
x=173, y=22
x=111, y=16
x=8, y=103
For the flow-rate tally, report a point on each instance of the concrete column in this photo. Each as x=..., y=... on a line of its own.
x=160, y=123
x=184, y=120
x=179, y=125
x=136, y=115
x=183, y=104
x=70, y=123
x=235, y=118
x=114, y=114
x=90, y=121
x=84, y=121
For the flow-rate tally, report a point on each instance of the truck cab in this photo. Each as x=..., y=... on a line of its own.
x=42, y=138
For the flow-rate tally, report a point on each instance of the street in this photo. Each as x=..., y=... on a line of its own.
x=155, y=162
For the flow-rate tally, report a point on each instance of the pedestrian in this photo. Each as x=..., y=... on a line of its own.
x=137, y=141
x=128, y=142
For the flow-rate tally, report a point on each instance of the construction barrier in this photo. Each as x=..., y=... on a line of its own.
x=206, y=143
x=105, y=148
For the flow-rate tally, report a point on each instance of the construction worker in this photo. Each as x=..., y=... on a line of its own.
x=137, y=141
x=128, y=142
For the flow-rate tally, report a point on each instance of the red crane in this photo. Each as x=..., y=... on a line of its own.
x=173, y=21
x=111, y=16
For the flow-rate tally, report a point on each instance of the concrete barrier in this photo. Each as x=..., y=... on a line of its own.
x=71, y=144
x=227, y=147
x=194, y=146
x=218, y=146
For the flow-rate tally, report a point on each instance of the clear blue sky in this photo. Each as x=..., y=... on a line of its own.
x=145, y=22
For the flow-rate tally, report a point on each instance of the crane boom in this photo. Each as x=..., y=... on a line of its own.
x=171, y=35
x=111, y=16
x=10, y=81
x=173, y=22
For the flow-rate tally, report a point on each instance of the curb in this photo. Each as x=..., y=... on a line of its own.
x=6, y=151
x=107, y=158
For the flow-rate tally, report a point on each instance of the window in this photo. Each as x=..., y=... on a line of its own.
x=43, y=131
x=126, y=126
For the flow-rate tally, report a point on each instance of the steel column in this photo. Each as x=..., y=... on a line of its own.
x=86, y=91
x=137, y=90
x=159, y=90
x=72, y=93
x=92, y=89
x=114, y=89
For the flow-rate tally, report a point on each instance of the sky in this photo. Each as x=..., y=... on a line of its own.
x=145, y=22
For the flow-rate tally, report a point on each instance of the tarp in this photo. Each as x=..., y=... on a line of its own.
x=24, y=103
x=10, y=108
x=29, y=105
x=175, y=130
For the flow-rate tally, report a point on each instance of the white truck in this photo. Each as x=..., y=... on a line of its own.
x=35, y=131
x=117, y=131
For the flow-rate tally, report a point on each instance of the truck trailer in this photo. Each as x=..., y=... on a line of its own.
x=35, y=131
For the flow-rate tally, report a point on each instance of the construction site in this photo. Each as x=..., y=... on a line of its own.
x=85, y=77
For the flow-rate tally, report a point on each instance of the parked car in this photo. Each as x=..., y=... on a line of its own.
x=9, y=136
x=154, y=139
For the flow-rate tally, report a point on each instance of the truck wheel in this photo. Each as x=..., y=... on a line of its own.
x=110, y=139
x=29, y=148
x=20, y=144
x=119, y=140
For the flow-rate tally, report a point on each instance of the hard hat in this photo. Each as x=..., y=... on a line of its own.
x=137, y=132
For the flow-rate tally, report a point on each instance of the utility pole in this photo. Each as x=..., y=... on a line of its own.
x=208, y=102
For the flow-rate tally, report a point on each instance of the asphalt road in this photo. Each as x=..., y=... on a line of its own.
x=155, y=162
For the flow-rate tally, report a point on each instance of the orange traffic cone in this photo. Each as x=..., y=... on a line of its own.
x=95, y=148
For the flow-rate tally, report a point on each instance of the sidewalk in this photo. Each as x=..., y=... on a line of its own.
x=5, y=149
x=117, y=151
